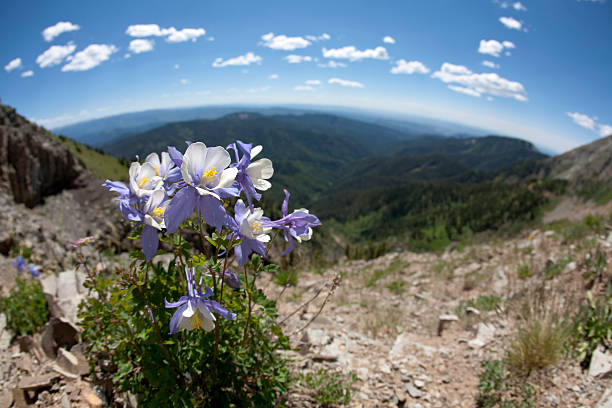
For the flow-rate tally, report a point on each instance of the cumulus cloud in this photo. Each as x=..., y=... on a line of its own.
x=511, y=23
x=186, y=34
x=490, y=64
x=389, y=40
x=55, y=55
x=140, y=45
x=322, y=37
x=13, y=64
x=409, y=67
x=590, y=123
x=273, y=76
x=184, y=81
x=332, y=64
x=466, y=91
x=53, y=31
x=485, y=83
x=297, y=59
x=146, y=30
x=28, y=73
x=303, y=88
x=282, y=42
x=353, y=54
x=313, y=82
x=90, y=57
x=494, y=47
x=172, y=34
x=518, y=6
x=344, y=82
x=247, y=59
x=582, y=120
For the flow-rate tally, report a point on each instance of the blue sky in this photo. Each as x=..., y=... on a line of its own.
x=538, y=70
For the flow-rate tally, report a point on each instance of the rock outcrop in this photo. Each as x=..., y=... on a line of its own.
x=32, y=163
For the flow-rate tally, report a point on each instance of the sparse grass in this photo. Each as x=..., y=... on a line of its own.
x=329, y=388
x=558, y=267
x=382, y=323
x=592, y=327
x=577, y=231
x=498, y=389
x=101, y=165
x=524, y=271
x=542, y=334
x=395, y=266
x=397, y=286
x=484, y=303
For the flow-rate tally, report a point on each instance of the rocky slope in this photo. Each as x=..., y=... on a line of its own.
x=585, y=163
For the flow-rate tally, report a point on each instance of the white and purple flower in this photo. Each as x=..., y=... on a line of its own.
x=251, y=175
x=195, y=311
x=252, y=228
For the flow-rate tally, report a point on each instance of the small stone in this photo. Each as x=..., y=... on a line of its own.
x=472, y=310
x=93, y=400
x=419, y=383
x=37, y=382
x=58, y=333
x=444, y=320
x=6, y=399
x=485, y=335
x=601, y=363
x=65, y=401
x=67, y=360
x=413, y=391
x=5, y=335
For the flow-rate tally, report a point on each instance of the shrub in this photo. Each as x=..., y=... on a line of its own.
x=524, y=271
x=25, y=307
x=497, y=389
x=592, y=327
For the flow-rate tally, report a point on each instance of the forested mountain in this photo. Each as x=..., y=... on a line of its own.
x=371, y=180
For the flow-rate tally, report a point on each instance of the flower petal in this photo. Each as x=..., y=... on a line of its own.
x=150, y=241
x=227, y=177
x=180, y=208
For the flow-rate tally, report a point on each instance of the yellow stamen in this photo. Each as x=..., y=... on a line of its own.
x=256, y=227
x=142, y=182
x=159, y=212
x=196, y=322
x=209, y=175
x=156, y=170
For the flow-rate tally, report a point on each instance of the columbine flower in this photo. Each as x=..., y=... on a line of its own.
x=253, y=175
x=252, y=228
x=165, y=168
x=33, y=271
x=125, y=200
x=194, y=311
x=208, y=179
x=153, y=217
x=19, y=263
x=143, y=180
x=232, y=280
x=296, y=226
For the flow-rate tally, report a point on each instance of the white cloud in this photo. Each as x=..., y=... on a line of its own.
x=353, y=54
x=582, y=120
x=127, y=55
x=273, y=76
x=322, y=37
x=176, y=66
x=508, y=44
x=518, y=6
x=90, y=57
x=53, y=31
x=247, y=59
x=409, y=67
x=140, y=45
x=389, y=40
x=333, y=64
x=28, y=73
x=344, y=82
x=605, y=130
x=303, y=88
x=297, y=59
x=172, y=34
x=486, y=83
x=13, y=64
x=313, y=82
x=282, y=42
x=184, y=81
x=511, y=23
x=466, y=91
x=490, y=64
x=490, y=47
x=185, y=34
x=55, y=55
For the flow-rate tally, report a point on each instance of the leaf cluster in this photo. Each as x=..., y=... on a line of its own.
x=25, y=307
